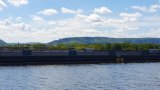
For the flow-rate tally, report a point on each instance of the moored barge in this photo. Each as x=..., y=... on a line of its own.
x=29, y=57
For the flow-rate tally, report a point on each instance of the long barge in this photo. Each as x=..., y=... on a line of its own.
x=28, y=57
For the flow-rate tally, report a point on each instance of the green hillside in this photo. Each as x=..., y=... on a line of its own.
x=90, y=40
x=2, y=42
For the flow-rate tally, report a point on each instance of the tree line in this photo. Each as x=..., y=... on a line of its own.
x=96, y=46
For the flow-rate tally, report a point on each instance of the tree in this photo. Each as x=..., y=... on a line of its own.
x=117, y=46
x=38, y=46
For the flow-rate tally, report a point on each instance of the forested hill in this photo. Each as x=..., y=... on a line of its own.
x=2, y=42
x=90, y=40
x=100, y=40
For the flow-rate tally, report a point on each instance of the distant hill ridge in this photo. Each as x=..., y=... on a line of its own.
x=102, y=40
x=89, y=40
x=2, y=42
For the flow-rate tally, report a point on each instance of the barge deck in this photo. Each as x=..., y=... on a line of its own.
x=66, y=57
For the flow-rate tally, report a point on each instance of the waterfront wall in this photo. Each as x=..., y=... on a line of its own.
x=77, y=53
x=80, y=57
x=28, y=57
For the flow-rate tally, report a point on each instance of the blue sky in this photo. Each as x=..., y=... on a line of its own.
x=47, y=20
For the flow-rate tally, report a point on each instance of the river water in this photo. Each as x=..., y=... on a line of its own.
x=143, y=76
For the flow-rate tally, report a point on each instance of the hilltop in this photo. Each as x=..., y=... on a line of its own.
x=90, y=40
x=2, y=42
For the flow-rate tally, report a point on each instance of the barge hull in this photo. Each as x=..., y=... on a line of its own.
x=49, y=60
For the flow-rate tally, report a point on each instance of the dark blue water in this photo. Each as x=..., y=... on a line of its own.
x=81, y=77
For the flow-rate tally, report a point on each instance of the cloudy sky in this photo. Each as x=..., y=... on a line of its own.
x=47, y=20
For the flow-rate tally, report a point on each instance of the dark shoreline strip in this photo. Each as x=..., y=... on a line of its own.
x=51, y=60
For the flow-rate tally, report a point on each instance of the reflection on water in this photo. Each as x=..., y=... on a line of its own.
x=81, y=77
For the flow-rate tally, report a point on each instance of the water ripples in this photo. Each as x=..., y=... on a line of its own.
x=81, y=77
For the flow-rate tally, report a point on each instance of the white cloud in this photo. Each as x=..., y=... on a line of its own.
x=90, y=18
x=2, y=4
x=7, y=24
x=79, y=26
x=15, y=32
x=148, y=22
x=41, y=30
x=154, y=33
x=18, y=3
x=126, y=28
x=69, y=11
x=102, y=10
x=36, y=18
x=130, y=16
x=140, y=8
x=152, y=8
x=4, y=24
x=20, y=26
x=22, y=32
x=94, y=18
x=48, y=12
x=19, y=19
